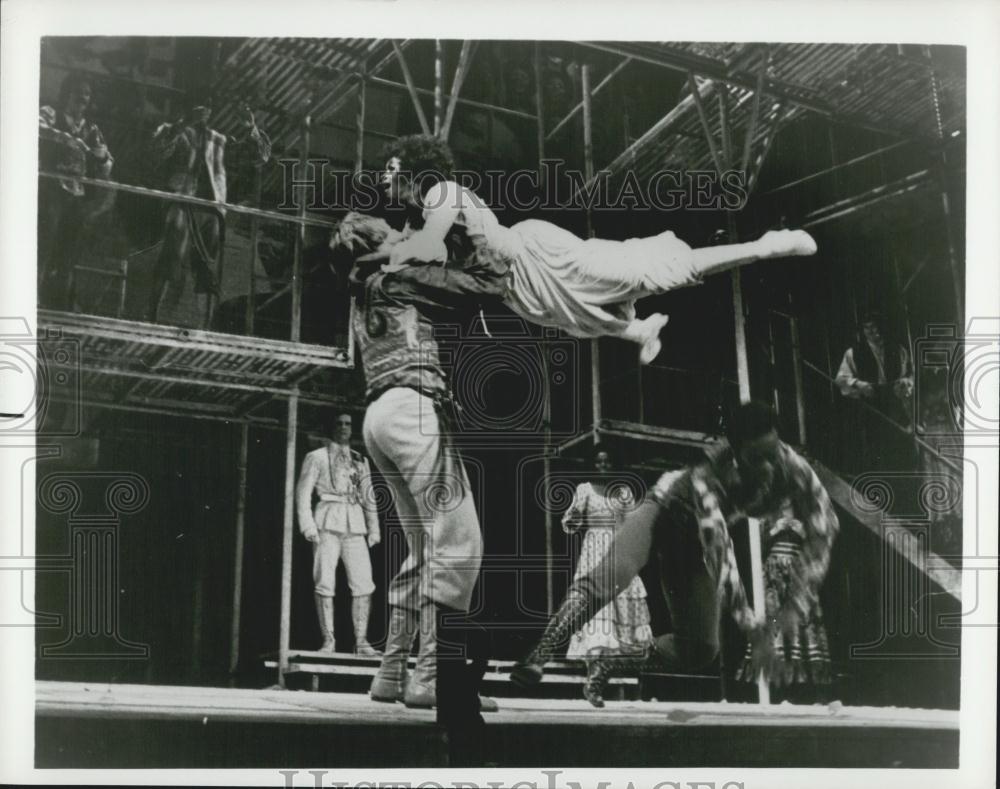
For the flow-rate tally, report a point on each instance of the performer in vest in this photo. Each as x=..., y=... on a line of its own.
x=343, y=527
x=877, y=370
x=407, y=432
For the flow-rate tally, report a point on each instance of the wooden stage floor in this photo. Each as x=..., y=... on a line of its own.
x=118, y=726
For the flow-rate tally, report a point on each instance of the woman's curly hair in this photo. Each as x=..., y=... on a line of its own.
x=427, y=159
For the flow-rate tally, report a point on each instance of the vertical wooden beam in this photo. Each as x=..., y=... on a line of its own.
x=800, y=397
x=773, y=361
x=539, y=102
x=250, y=313
x=438, y=84
x=122, y=286
x=953, y=261
x=300, y=232
x=238, y=549
x=597, y=89
x=757, y=577
x=727, y=149
x=588, y=171
x=901, y=295
x=547, y=473
x=942, y=172
x=743, y=377
x=595, y=387
x=412, y=88
x=285, y=631
x=547, y=390
x=198, y=604
x=359, y=149
x=739, y=319
x=588, y=139
x=754, y=115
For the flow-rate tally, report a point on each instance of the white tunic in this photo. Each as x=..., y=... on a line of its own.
x=586, y=287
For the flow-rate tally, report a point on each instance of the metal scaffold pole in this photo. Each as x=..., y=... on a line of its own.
x=588, y=174
x=724, y=160
x=300, y=233
x=293, y=422
x=753, y=525
x=546, y=389
x=241, y=509
x=954, y=263
x=251, y=305
x=241, y=494
x=359, y=151
x=539, y=103
x=438, y=85
x=288, y=526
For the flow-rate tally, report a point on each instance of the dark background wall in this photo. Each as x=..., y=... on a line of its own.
x=176, y=556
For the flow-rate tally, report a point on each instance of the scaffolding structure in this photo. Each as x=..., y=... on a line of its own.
x=739, y=97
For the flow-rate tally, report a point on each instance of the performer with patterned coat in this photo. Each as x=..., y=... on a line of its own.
x=684, y=525
x=343, y=527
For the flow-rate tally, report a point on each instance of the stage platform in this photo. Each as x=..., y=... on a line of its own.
x=349, y=673
x=80, y=725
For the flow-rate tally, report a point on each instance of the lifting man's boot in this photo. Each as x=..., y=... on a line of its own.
x=324, y=610
x=573, y=614
x=421, y=688
x=389, y=683
x=361, y=607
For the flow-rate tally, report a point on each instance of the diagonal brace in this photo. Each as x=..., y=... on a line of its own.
x=411, y=87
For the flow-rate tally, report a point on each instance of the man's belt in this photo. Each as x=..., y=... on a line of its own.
x=340, y=498
x=375, y=394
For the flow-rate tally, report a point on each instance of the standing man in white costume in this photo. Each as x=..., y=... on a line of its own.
x=343, y=527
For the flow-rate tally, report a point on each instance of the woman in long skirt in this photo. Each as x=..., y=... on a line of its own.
x=622, y=626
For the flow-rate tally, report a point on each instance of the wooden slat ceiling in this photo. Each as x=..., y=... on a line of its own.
x=907, y=92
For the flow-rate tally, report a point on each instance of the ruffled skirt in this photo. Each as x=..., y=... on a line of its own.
x=623, y=624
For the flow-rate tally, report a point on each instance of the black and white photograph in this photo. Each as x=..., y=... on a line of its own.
x=425, y=391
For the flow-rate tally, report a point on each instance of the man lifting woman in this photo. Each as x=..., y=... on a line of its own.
x=544, y=273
